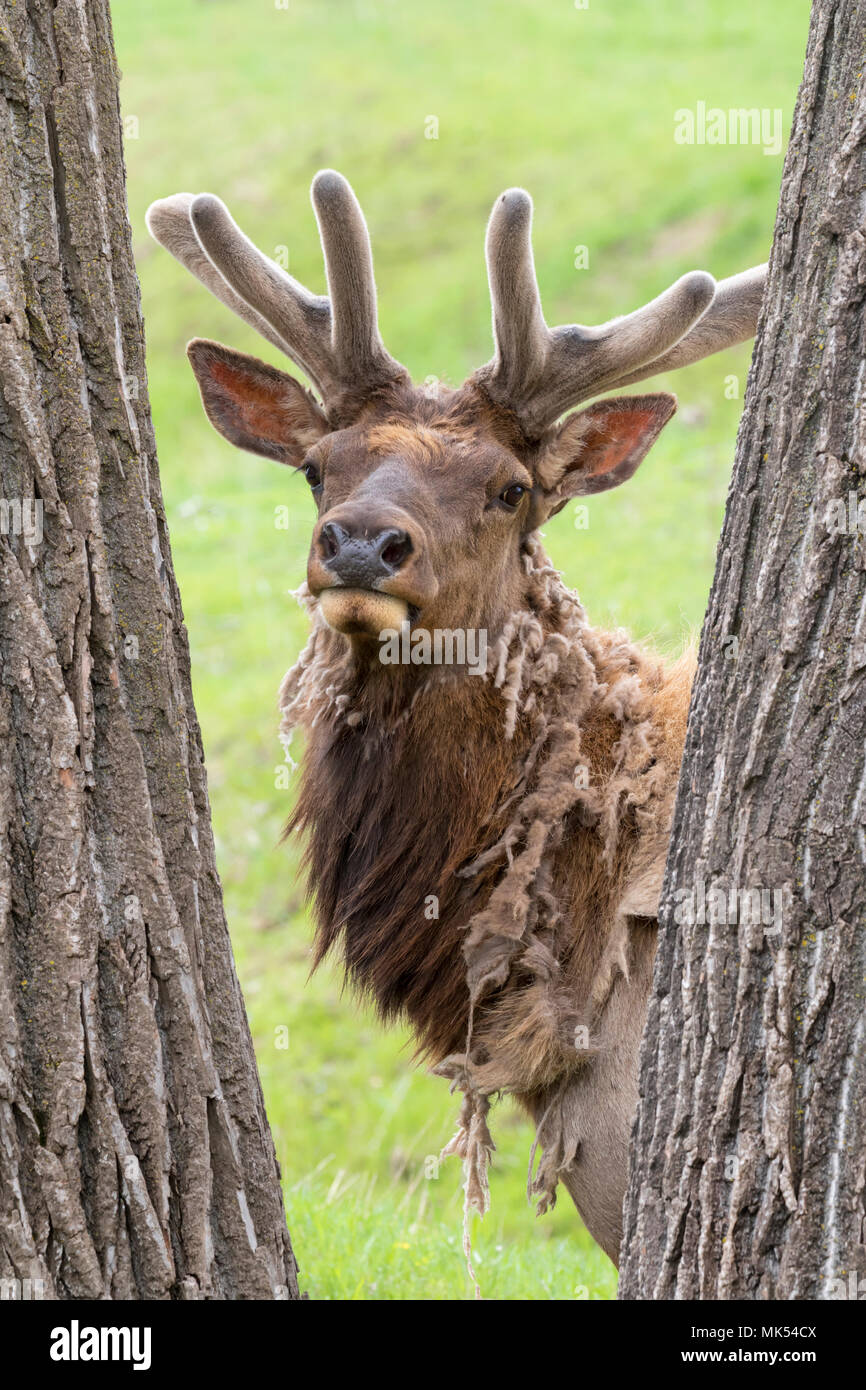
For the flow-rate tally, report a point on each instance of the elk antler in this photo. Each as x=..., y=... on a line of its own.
x=539, y=372
x=335, y=340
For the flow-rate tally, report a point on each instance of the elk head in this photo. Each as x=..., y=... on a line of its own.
x=425, y=498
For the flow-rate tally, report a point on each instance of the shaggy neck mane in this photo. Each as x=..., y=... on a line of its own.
x=438, y=810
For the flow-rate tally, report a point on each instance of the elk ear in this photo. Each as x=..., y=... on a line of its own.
x=601, y=447
x=255, y=406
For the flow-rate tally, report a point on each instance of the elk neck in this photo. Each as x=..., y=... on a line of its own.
x=406, y=784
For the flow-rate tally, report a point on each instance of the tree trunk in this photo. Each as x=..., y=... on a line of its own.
x=750, y=1141
x=135, y=1155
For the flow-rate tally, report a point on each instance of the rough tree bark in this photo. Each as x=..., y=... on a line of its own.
x=135, y=1155
x=750, y=1141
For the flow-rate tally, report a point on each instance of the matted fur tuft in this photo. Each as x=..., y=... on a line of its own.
x=544, y=790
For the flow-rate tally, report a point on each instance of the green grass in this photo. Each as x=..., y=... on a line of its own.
x=247, y=100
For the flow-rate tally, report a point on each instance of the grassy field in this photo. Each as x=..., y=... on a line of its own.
x=248, y=99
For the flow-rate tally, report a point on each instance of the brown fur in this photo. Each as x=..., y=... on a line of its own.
x=531, y=806
x=412, y=781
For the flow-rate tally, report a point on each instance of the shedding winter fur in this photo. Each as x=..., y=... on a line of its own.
x=532, y=806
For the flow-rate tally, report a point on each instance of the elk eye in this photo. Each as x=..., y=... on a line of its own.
x=512, y=495
x=312, y=475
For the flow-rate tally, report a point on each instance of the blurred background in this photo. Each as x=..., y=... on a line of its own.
x=430, y=108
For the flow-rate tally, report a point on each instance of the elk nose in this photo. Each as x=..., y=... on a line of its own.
x=360, y=561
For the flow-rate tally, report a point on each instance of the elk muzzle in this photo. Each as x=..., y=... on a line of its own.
x=369, y=571
x=363, y=561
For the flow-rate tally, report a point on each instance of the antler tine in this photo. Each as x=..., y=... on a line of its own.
x=520, y=334
x=731, y=318
x=168, y=222
x=302, y=320
x=336, y=342
x=357, y=346
x=586, y=361
x=538, y=372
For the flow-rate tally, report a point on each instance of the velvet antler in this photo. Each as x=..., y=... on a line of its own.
x=539, y=372
x=334, y=339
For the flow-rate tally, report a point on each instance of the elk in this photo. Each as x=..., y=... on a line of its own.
x=487, y=854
